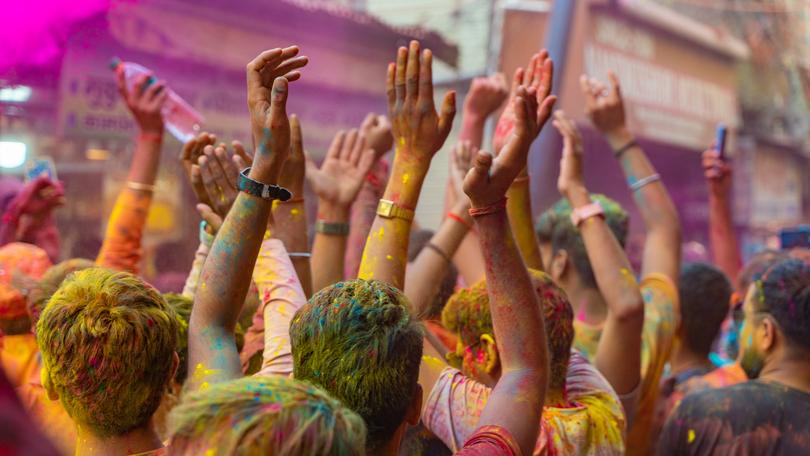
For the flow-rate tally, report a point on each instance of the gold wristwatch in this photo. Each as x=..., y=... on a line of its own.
x=388, y=209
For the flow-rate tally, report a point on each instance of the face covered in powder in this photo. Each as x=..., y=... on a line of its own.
x=752, y=356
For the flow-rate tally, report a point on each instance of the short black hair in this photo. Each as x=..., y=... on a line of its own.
x=784, y=293
x=704, y=293
x=554, y=226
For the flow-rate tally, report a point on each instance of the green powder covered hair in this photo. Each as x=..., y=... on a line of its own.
x=359, y=342
x=107, y=341
x=271, y=415
x=467, y=315
x=50, y=282
x=554, y=226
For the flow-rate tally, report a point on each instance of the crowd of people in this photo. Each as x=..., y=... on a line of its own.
x=505, y=337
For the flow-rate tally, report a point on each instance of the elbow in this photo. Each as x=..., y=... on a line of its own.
x=630, y=309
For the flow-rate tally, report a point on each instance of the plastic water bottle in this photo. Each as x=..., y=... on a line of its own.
x=182, y=121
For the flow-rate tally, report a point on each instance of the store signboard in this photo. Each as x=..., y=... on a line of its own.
x=674, y=93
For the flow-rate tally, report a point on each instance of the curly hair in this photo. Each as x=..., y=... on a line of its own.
x=554, y=226
x=108, y=341
x=467, y=314
x=783, y=291
x=359, y=341
x=264, y=415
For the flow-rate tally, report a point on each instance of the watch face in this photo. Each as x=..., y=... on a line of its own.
x=385, y=209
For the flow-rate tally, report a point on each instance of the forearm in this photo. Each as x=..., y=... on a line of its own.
x=468, y=259
x=121, y=248
x=427, y=271
x=328, y=250
x=518, y=397
x=618, y=355
x=362, y=217
x=519, y=209
x=472, y=128
x=145, y=161
x=386, y=252
x=723, y=239
x=290, y=222
x=193, y=279
x=225, y=280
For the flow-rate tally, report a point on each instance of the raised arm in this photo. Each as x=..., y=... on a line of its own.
x=419, y=132
x=723, y=239
x=336, y=183
x=486, y=95
x=538, y=75
x=516, y=402
x=662, y=248
x=618, y=356
x=121, y=249
x=427, y=271
x=377, y=130
x=227, y=271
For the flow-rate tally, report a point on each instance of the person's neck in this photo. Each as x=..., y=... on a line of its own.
x=556, y=397
x=391, y=447
x=139, y=440
x=793, y=372
x=588, y=304
x=683, y=359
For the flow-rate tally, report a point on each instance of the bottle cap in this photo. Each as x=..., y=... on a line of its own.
x=114, y=62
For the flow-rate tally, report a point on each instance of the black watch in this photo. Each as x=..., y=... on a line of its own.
x=264, y=191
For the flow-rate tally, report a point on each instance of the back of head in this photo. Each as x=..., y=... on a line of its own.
x=50, y=282
x=108, y=341
x=783, y=291
x=467, y=314
x=554, y=227
x=182, y=309
x=21, y=265
x=704, y=296
x=755, y=267
x=271, y=415
x=359, y=342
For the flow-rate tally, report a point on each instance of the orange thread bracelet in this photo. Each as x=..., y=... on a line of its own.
x=491, y=209
x=459, y=219
x=154, y=137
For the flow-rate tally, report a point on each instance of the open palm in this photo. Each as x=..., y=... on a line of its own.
x=346, y=165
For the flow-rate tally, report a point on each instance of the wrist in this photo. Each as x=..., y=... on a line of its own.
x=577, y=195
x=618, y=137
x=331, y=212
x=472, y=118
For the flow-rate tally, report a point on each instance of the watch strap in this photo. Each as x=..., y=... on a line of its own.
x=582, y=213
x=264, y=191
x=334, y=228
x=389, y=209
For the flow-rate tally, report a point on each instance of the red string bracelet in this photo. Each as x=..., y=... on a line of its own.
x=491, y=209
x=459, y=219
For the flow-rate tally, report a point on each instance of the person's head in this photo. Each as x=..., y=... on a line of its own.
x=50, y=282
x=561, y=246
x=108, y=350
x=419, y=239
x=467, y=315
x=359, y=342
x=776, y=322
x=21, y=265
x=264, y=415
x=704, y=294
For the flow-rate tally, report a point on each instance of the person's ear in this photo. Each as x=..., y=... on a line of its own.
x=175, y=365
x=767, y=335
x=45, y=379
x=559, y=264
x=491, y=350
x=415, y=408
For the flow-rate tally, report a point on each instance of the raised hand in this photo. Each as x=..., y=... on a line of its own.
x=219, y=176
x=486, y=95
x=292, y=176
x=341, y=175
x=717, y=172
x=604, y=106
x=377, y=130
x=144, y=102
x=461, y=160
x=538, y=75
x=488, y=180
x=571, y=172
x=267, y=83
x=419, y=131
x=189, y=156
